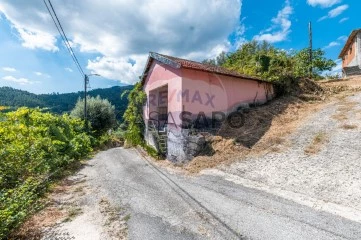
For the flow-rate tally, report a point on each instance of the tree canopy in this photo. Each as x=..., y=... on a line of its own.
x=266, y=61
x=100, y=114
x=61, y=103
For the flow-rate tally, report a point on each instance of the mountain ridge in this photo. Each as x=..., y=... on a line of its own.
x=63, y=102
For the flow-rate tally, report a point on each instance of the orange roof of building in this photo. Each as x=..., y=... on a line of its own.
x=184, y=63
x=349, y=42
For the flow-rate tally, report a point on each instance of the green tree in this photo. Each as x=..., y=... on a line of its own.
x=319, y=64
x=133, y=116
x=263, y=60
x=218, y=61
x=100, y=113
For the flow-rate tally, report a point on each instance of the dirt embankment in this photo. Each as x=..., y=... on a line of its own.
x=266, y=127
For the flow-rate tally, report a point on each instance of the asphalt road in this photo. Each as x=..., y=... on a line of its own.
x=165, y=205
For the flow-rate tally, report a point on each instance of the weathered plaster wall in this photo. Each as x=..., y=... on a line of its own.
x=195, y=91
x=159, y=76
x=350, y=57
x=358, y=47
x=209, y=92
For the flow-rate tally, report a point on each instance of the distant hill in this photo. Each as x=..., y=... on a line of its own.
x=61, y=103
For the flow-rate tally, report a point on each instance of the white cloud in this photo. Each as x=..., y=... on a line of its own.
x=335, y=12
x=42, y=74
x=340, y=40
x=117, y=29
x=32, y=31
x=68, y=69
x=331, y=44
x=37, y=39
x=281, y=26
x=118, y=68
x=21, y=81
x=323, y=3
x=9, y=69
x=337, y=70
x=343, y=19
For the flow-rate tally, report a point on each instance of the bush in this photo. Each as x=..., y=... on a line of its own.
x=35, y=147
x=151, y=151
x=100, y=114
x=133, y=116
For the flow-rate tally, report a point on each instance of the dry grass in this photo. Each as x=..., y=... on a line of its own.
x=59, y=207
x=349, y=83
x=115, y=220
x=73, y=212
x=267, y=127
x=32, y=228
x=348, y=126
x=317, y=142
x=340, y=117
x=345, y=107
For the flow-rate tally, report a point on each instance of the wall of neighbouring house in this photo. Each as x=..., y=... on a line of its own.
x=358, y=49
x=349, y=58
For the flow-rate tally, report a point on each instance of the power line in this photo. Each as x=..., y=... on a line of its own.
x=63, y=36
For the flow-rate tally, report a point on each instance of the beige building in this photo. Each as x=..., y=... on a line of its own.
x=351, y=54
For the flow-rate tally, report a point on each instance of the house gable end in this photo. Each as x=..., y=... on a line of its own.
x=349, y=43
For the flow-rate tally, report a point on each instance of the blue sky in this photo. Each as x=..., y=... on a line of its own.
x=113, y=37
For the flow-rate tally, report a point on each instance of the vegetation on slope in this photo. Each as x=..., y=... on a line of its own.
x=62, y=103
x=133, y=116
x=263, y=60
x=100, y=114
x=35, y=147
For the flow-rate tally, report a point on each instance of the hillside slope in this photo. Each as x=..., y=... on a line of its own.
x=61, y=103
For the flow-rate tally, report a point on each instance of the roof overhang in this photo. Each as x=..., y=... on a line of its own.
x=155, y=56
x=172, y=62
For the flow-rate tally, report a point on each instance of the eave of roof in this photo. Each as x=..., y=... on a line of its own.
x=349, y=42
x=188, y=64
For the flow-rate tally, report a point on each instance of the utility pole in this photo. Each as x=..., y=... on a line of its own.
x=310, y=47
x=86, y=81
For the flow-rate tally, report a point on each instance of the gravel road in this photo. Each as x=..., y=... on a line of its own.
x=332, y=175
x=167, y=205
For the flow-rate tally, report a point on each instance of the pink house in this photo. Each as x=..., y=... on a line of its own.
x=183, y=95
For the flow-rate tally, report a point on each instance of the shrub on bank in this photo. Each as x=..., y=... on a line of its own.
x=35, y=147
